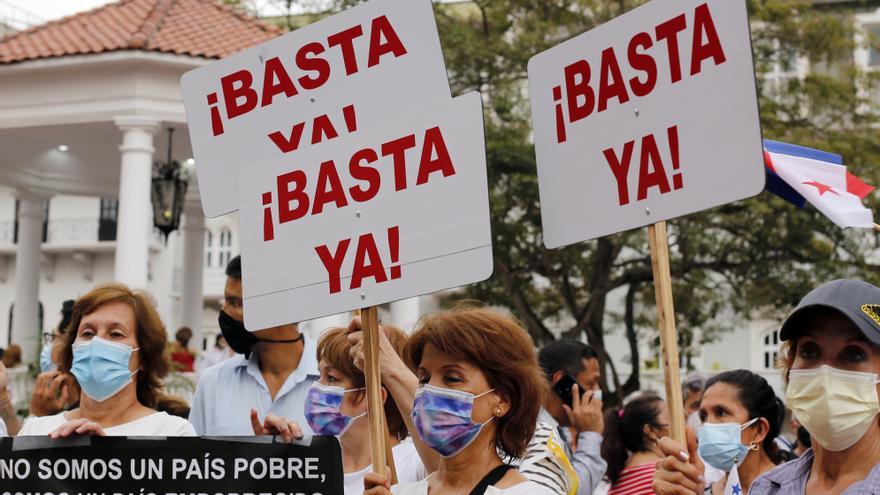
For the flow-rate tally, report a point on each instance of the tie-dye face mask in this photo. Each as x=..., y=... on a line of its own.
x=442, y=418
x=323, y=412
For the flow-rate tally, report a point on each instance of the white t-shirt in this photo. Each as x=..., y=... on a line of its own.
x=407, y=463
x=160, y=424
x=3, y=432
x=525, y=488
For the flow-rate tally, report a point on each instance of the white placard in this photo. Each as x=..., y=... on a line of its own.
x=316, y=84
x=649, y=117
x=390, y=212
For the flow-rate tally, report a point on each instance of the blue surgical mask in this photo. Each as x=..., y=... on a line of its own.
x=101, y=367
x=442, y=418
x=46, y=363
x=323, y=413
x=721, y=444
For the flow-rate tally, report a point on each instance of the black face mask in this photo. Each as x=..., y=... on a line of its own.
x=240, y=340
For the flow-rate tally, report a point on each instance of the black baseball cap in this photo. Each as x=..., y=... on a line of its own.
x=858, y=301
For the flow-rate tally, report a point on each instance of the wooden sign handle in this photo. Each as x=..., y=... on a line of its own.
x=379, y=446
x=666, y=323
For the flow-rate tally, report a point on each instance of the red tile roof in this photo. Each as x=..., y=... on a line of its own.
x=201, y=28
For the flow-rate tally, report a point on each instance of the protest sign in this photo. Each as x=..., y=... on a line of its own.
x=388, y=213
x=651, y=116
x=312, y=85
x=172, y=466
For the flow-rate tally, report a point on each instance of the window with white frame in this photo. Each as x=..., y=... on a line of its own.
x=209, y=249
x=770, y=349
x=873, y=42
x=224, y=249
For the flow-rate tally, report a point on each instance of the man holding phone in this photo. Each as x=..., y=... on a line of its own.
x=575, y=401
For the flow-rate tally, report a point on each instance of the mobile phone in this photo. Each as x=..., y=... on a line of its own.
x=563, y=388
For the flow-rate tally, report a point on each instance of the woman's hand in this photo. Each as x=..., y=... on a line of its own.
x=390, y=364
x=376, y=484
x=275, y=425
x=680, y=472
x=78, y=427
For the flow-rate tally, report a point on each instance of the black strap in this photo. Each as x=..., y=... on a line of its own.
x=492, y=477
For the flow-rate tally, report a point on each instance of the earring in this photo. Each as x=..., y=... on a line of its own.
x=498, y=412
x=753, y=446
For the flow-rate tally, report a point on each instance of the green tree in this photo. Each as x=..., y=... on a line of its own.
x=748, y=259
x=752, y=258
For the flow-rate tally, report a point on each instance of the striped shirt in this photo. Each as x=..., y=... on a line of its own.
x=791, y=479
x=546, y=463
x=635, y=480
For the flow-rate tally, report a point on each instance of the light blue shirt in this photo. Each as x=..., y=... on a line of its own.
x=228, y=391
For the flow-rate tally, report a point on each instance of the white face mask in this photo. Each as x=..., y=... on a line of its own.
x=837, y=407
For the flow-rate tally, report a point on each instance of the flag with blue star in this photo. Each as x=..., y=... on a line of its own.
x=733, y=486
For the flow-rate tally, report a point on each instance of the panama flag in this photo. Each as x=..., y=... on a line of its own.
x=733, y=486
x=799, y=174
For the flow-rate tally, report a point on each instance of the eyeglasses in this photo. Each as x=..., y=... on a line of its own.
x=49, y=338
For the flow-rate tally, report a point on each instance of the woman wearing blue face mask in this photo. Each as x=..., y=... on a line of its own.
x=832, y=366
x=114, y=348
x=481, y=390
x=337, y=405
x=741, y=418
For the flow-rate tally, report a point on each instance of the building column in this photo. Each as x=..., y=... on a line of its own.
x=134, y=220
x=192, y=298
x=405, y=314
x=26, y=330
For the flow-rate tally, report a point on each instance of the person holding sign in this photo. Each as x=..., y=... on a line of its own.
x=337, y=405
x=114, y=348
x=270, y=378
x=832, y=367
x=481, y=390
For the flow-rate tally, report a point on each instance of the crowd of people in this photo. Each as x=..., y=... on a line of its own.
x=472, y=407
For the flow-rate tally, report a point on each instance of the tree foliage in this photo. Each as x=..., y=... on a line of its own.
x=750, y=259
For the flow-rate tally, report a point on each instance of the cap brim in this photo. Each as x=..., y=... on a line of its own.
x=792, y=326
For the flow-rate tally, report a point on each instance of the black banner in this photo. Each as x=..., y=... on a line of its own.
x=173, y=466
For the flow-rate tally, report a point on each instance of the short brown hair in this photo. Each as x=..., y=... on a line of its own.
x=334, y=349
x=503, y=350
x=150, y=334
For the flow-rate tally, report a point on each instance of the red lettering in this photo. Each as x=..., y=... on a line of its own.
x=285, y=144
x=712, y=48
x=275, y=69
x=434, y=145
x=333, y=263
x=642, y=62
x=651, y=171
x=287, y=195
x=316, y=64
x=345, y=40
x=327, y=176
x=231, y=93
x=668, y=32
x=620, y=169
x=575, y=90
x=363, y=173
x=323, y=127
x=397, y=149
x=383, y=28
x=367, y=262
x=611, y=83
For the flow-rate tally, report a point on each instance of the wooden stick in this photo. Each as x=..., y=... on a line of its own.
x=379, y=448
x=666, y=323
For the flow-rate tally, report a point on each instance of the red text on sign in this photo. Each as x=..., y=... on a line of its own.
x=652, y=170
x=295, y=196
x=307, y=69
x=321, y=129
x=582, y=94
x=367, y=260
